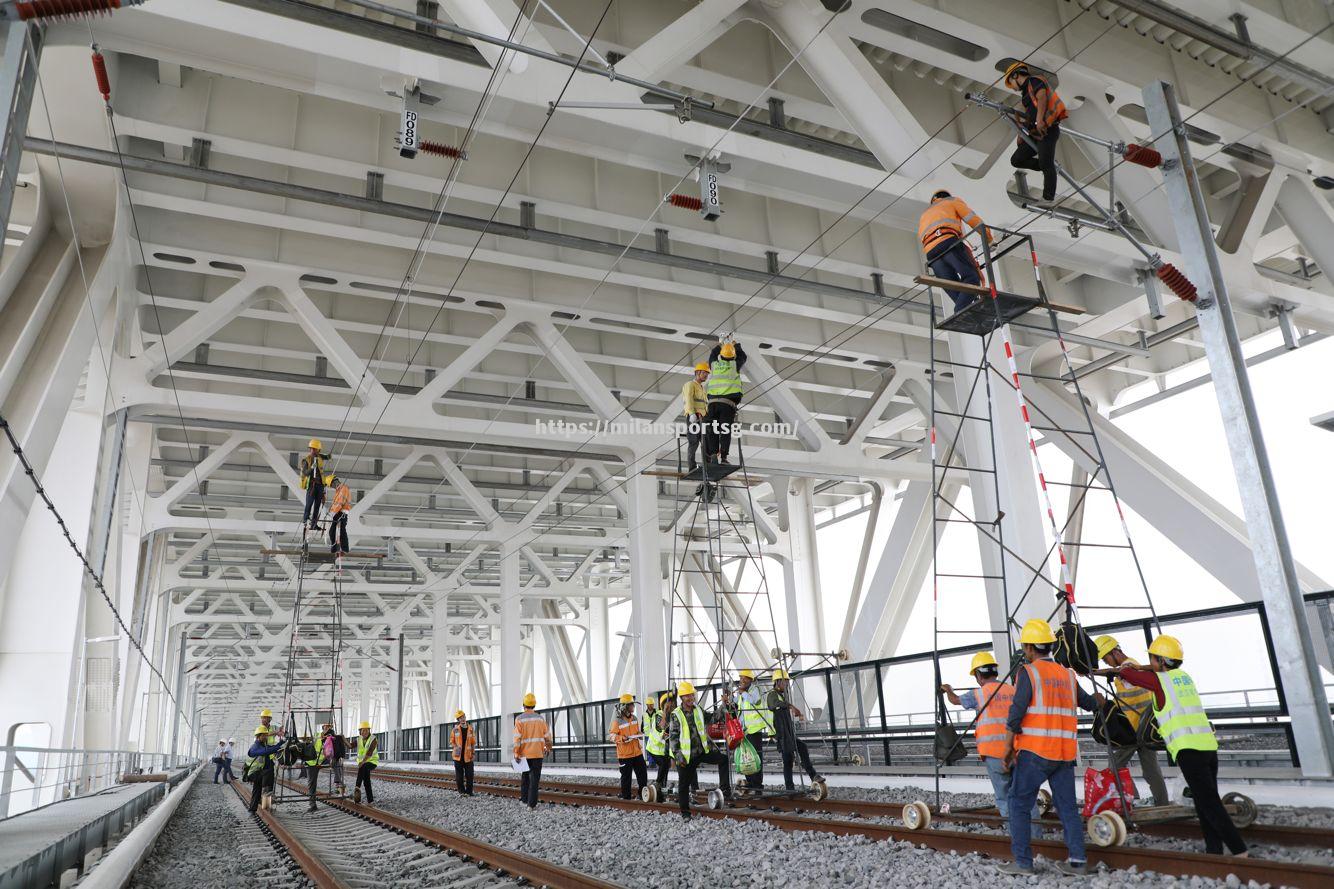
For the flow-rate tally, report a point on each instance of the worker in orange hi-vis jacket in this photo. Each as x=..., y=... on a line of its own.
x=941, y=229
x=338, y=512
x=532, y=742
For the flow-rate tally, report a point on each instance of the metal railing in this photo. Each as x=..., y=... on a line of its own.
x=868, y=707
x=31, y=777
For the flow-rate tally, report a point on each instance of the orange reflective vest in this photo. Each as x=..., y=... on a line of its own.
x=943, y=220
x=532, y=736
x=625, y=732
x=994, y=700
x=1049, y=726
x=342, y=499
x=463, y=750
x=1056, y=111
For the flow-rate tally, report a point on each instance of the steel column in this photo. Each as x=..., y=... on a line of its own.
x=511, y=664
x=646, y=620
x=439, y=663
x=18, y=76
x=1298, y=668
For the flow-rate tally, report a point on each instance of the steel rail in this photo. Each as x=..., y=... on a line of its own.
x=312, y=866
x=997, y=845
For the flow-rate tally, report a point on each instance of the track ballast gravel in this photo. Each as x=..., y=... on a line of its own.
x=647, y=850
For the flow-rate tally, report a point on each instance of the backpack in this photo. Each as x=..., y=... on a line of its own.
x=1075, y=649
x=1111, y=726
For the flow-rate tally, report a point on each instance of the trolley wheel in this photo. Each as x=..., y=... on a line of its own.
x=916, y=816
x=1044, y=801
x=1243, y=809
x=715, y=799
x=1106, y=829
x=858, y=759
x=819, y=790
x=649, y=793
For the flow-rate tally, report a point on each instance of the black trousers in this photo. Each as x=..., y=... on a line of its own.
x=757, y=741
x=338, y=532
x=687, y=777
x=313, y=779
x=1043, y=160
x=664, y=769
x=694, y=438
x=634, y=767
x=953, y=261
x=310, y=516
x=789, y=754
x=463, y=776
x=1200, y=769
x=528, y=784
x=258, y=785
x=364, y=779
x=718, y=429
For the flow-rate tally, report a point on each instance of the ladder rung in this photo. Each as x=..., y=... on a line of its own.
x=948, y=468
x=964, y=416
x=974, y=576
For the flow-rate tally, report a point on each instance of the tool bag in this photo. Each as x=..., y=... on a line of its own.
x=1101, y=794
x=1075, y=649
x=746, y=758
x=1112, y=726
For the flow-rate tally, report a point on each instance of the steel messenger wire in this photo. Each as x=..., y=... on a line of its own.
x=888, y=307
x=891, y=304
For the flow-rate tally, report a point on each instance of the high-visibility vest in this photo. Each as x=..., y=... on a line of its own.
x=307, y=471
x=944, y=220
x=1182, y=721
x=724, y=378
x=656, y=740
x=755, y=718
x=1056, y=111
x=254, y=765
x=1133, y=700
x=624, y=731
x=368, y=750
x=1049, y=727
x=686, y=744
x=532, y=735
x=463, y=751
x=994, y=700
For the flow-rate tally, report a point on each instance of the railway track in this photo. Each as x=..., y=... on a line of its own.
x=347, y=845
x=1275, y=834
x=995, y=845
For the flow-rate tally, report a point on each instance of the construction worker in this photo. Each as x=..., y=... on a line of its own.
x=724, y=395
x=314, y=762
x=655, y=742
x=660, y=746
x=266, y=720
x=338, y=513
x=463, y=741
x=1041, y=118
x=335, y=751
x=991, y=700
x=785, y=730
x=1041, y=748
x=532, y=742
x=368, y=757
x=695, y=406
x=1134, y=703
x=259, y=766
x=757, y=720
x=628, y=735
x=691, y=747
x=941, y=229
x=312, y=482
x=1190, y=738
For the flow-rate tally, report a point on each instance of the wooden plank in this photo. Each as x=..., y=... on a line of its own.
x=982, y=290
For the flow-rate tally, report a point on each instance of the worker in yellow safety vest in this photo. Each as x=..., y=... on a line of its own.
x=314, y=762
x=1041, y=118
x=1135, y=703
x=368, y=757
x=1042, y=747
x=628, y=736
x=312, y=482
x=991, y=699
x=695, y=404
x=655, y=730
x=1190, y=738
x=757, y=720
x=724, y=396
x=692, y=747
x=259, y=766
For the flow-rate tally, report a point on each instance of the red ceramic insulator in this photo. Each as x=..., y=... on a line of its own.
x=1143, y=155
x=439, y=148
x=1176, y=281
x=689, y=202
x=100, y=72
x=62, y=9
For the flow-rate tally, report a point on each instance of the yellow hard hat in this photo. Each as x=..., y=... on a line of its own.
x=1106, y=645
x=364, y=724
x=265, y=712
x=530, y=700
x=1168, y=647
x=685, y=688
x=747, y=674
x=329, y=479
x=703, y=365
x=1036, y=632
x=316, y=444
x=728, y=351
x=780, y=673
x=1012, y=70
x=649, y=702
x=627, y=698
x=261, y=730
x=458, y=714
x=982, y=659
x=665, y=697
